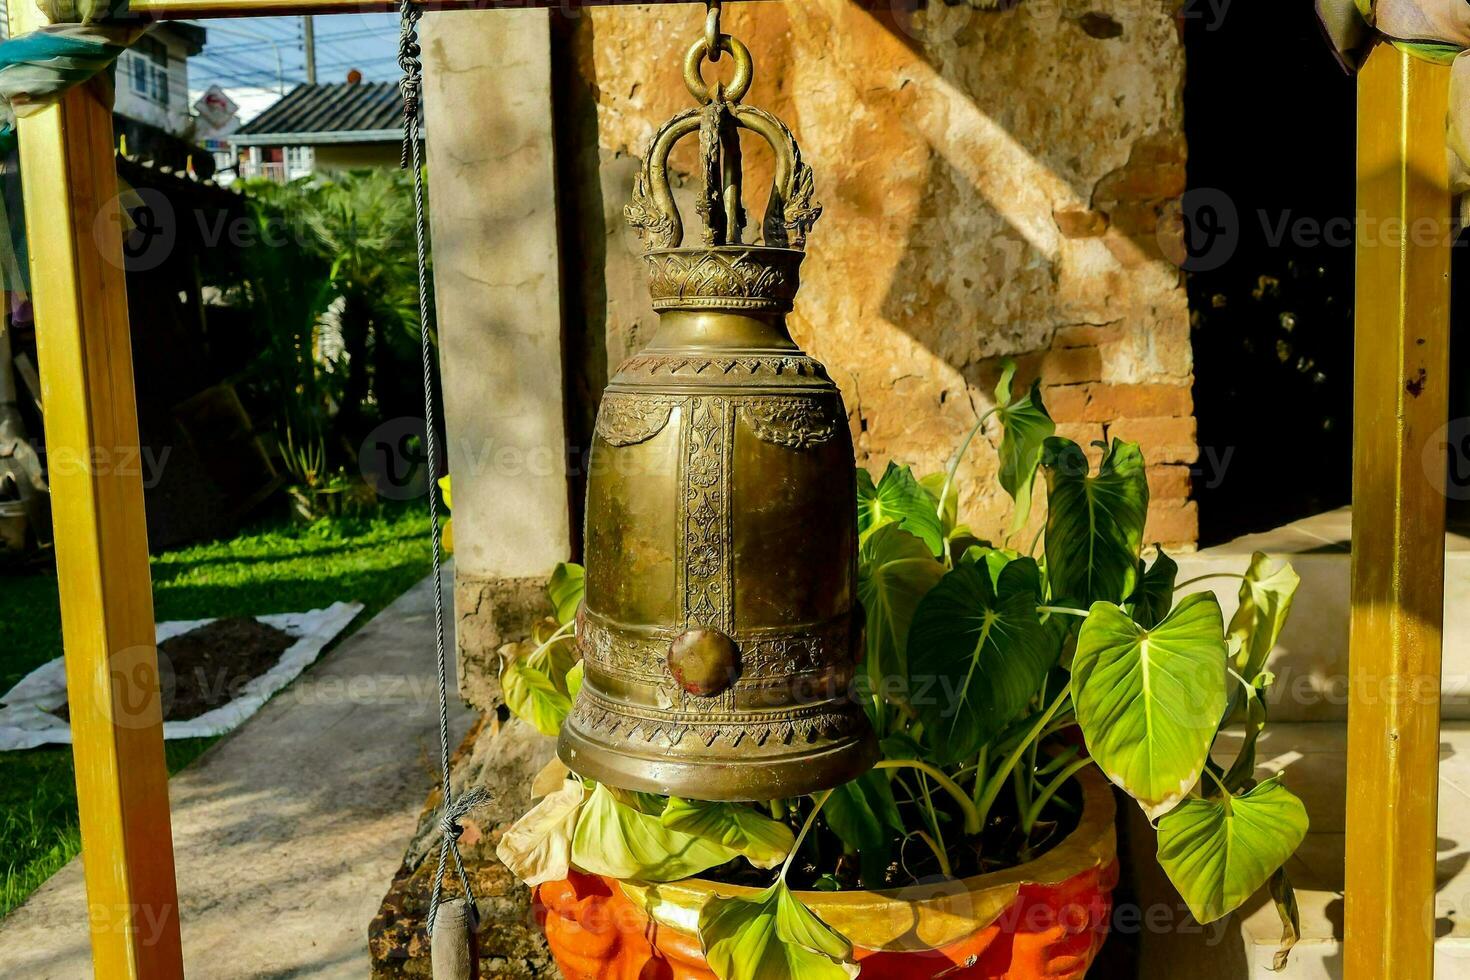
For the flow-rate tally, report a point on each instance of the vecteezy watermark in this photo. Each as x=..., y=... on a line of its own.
x=147, y=923
x=1446, y=459
x=149, y=229
x=142, y=461
x=1210, y=469
x=1203, y=233
x=142, y=686
x=394, y=459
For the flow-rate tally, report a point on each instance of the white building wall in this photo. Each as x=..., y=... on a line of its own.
x=153, y=93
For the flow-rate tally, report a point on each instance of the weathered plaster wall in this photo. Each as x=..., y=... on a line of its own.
x=995, y=183
x=497, y=286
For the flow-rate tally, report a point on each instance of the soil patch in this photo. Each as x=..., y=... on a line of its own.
x=206, y=667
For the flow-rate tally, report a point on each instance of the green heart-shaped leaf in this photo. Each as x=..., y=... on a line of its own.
x=1094, y=524
x=895, y=571
x=1218, y=852
x=1154, y=597
x=620, y=841
x=898, y=499
x=567, y=585
x=532, y=697
x=764, y=842
x=771, y=937
x=1149, y=701
x=993, y=559
x=1265, y=602
x=977, y=655
x=1027, y=426
x=574, y=679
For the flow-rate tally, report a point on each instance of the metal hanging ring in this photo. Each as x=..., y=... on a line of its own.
x=744, y=69
x=712, y=31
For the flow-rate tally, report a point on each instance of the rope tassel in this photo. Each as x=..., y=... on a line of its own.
x=452, y=926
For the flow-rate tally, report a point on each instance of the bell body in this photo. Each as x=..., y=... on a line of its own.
x=720, y=628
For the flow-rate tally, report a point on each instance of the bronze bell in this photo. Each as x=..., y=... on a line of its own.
x=720, y=629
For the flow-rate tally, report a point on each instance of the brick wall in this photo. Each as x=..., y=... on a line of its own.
x=996, y=184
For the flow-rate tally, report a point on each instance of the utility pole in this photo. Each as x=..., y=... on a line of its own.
x=308, y=36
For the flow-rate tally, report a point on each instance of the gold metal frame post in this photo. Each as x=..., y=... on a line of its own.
x=1400, y=407
x=79, y=291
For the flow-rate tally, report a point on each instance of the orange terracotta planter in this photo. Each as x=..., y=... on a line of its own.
x=1046, y=919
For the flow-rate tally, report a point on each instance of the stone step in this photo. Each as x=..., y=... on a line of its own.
x=1310, y=662
x=1241, y=947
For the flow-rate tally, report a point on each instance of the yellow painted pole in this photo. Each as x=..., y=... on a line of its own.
x=80, y=301
x=1400, y=407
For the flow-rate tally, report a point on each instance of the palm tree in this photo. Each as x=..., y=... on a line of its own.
x=362, y=222
x=333, y=285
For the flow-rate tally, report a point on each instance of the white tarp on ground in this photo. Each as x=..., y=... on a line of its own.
x=26, y=718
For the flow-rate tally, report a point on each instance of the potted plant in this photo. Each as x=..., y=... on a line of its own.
x=1004, y=685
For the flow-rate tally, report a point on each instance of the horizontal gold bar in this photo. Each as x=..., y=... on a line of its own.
x=201, y=9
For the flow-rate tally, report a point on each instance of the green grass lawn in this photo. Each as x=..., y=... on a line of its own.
x=268, y=569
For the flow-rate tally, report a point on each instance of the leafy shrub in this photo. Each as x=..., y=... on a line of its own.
x=982, y=667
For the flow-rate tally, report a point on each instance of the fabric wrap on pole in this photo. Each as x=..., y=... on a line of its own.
x=1437, y=31
x=36, y=69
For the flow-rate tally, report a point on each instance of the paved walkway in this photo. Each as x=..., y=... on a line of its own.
x=287, y=833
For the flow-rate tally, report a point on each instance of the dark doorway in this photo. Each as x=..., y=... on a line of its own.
x=1270, y=119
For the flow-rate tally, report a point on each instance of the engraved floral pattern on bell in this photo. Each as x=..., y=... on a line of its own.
x=720, y=627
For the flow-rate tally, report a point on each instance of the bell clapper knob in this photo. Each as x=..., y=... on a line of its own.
x=705, y=662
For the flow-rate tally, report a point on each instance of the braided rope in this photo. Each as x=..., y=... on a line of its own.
x=411, y=88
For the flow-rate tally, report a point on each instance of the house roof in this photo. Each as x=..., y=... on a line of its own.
x=340, y=112
x=192, y=35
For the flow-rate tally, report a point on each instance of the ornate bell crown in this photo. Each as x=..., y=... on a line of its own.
x=723, y=273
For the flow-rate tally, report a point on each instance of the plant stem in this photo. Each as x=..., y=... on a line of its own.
x=1224, y=792
x=1206, y=578
x=944, y=866
x=992, y=789
x=1037, y=540
x=1031, y=816
x=811, y=818
x=1019, y=777
x=954, y=466
x=563, y=633
x=929, y=803
x=981, y=764
x=973, y=823
x=1058, y=761
x=1064, y=611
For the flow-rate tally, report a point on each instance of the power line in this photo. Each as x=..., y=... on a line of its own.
x=321, y=38
x=294, y=37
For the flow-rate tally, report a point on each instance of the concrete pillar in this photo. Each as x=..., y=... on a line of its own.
x=497, y=282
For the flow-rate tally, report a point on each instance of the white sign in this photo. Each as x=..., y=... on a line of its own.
x=215, y=107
